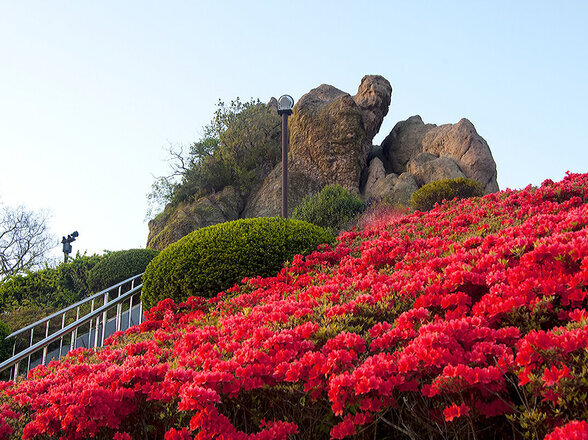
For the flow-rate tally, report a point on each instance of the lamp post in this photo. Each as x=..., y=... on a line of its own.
x=67, y=244
x=285, y=104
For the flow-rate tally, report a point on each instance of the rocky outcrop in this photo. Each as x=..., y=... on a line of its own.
x=373, y=98
x=392, y=188
x=331, y=135
x=427, y=167
x=267, y=201
x=176, y=222
x=452, y=149
x=403, y=143
x=330, y=138
x=327, y=140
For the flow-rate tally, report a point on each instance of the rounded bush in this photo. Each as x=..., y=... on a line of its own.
x=118, y=266
x=428, y=195
x=333, y=208
x=214, y=258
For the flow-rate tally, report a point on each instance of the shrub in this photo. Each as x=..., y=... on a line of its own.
x=5, y=345
x=118, y=266
x=428, y=195
x=333, y=208
x=214, y=258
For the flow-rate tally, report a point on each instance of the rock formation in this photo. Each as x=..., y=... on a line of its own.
x=331, y=135
x=174, y=223
x=450, y=150
x=330, y=138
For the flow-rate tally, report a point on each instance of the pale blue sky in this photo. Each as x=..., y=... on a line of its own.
x=91, y=93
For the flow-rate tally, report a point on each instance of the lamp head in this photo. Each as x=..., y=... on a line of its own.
x=285, y=104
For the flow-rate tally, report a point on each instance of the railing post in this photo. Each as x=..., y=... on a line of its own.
x=61, y=339
x=105, y=318
x=13, y=353
x=30, y=345
x=118, y=316
x=131, y=310
x=16, y=370
x=74, y=334
x=44, y=359
x=96, y=333
x=90, y=329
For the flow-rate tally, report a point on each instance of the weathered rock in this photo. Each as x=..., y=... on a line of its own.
x=174, y=223
x=403, y=189
x=395, y=189
x=273, y=104
x=375, y=173
x=373, y=98
x=267, y=201
x=459, y=142
x=427, y=167
x=327, y=137
x=403, y=143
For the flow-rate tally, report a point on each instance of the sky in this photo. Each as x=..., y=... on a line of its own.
x=92, y=94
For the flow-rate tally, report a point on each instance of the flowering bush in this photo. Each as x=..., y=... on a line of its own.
x=467, y=320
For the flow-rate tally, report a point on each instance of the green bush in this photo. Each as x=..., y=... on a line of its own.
x=334, y=208
x=425, y=197
x=214, y=258
x=118, y=266
x=5, y=345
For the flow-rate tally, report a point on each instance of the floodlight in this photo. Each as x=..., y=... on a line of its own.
x=285, y=104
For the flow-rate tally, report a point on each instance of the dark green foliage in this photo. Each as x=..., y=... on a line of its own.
x=428, y=195
x=118, y=266
x=239, y=147
x=333, y=208
x=5, y=346
x=27, y=298
x=214, y=258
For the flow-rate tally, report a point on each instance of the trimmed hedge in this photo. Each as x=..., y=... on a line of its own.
x=212, y=259
x=428, y=195
x=333, y=208
x=118, y=266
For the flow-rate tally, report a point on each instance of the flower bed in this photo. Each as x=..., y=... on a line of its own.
x=467, y=321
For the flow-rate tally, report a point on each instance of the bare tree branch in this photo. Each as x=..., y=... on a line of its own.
x=24, y=240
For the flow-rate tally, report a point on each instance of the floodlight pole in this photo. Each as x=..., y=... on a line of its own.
x=284, y=165
x=285, y=104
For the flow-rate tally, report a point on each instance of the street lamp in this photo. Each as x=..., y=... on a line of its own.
x=285, y=104
x=67, y=244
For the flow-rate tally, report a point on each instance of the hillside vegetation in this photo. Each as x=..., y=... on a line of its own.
x=467, y=321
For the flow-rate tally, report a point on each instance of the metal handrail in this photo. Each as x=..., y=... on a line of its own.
x=73, y=306
x=15, y=360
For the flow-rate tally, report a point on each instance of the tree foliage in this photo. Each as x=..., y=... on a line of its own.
x=239, y=147
x=24, y=240
x=48, y=287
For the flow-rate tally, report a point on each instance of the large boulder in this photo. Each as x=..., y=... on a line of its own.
x=331, y=131
x=373, y=98
x=403, y=143
x=327, y=138
x=267, y=201
x=375, y=174
x=427, y=167
x=392, y=188
x=459, y=142
x=176, y=222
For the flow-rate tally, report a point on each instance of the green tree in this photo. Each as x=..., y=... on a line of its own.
x=239, y=147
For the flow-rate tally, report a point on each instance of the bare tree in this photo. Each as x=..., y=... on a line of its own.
x=24, y=240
